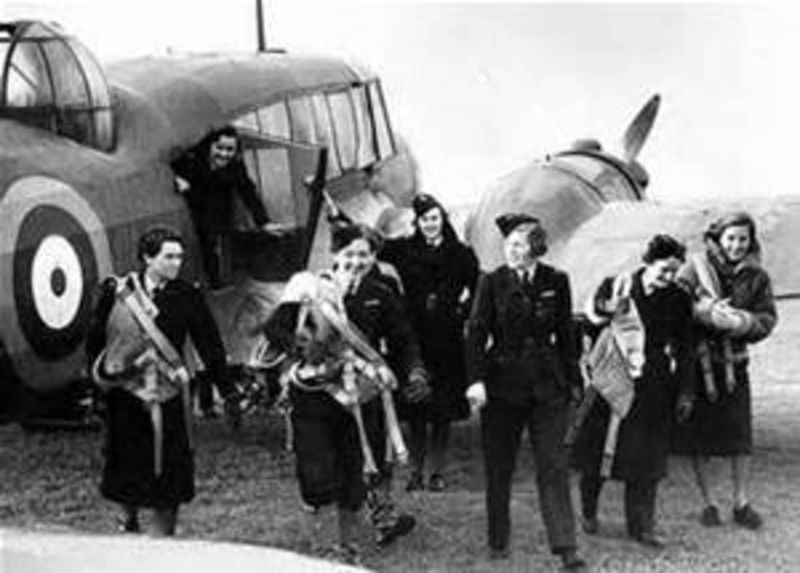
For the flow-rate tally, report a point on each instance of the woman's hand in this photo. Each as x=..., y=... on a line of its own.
x=476, y=395
x=684, y=407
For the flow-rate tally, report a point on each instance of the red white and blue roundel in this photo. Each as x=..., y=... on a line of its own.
x=54, y=249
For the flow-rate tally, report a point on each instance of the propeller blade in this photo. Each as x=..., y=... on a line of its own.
x=639, y=129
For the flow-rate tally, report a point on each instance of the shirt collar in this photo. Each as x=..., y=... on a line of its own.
x=528, y=271
x=435, y=242
x=150, y=287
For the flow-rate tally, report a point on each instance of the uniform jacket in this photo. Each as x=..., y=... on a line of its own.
x=520, y=340
x=380, y=315
x=211, y=191
x=182, y=312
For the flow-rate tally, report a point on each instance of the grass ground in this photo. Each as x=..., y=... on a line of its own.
x=247, y=493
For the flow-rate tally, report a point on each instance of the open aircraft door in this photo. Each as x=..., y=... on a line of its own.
x=289, y=179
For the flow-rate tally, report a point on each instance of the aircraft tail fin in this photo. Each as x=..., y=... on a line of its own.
x=639, y=129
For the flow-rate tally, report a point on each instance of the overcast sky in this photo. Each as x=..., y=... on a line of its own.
x=478, y=89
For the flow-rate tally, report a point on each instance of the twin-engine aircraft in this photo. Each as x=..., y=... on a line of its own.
x=595, y=208
x=85, y=161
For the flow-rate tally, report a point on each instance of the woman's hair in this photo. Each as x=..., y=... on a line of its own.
x=204, y=147
x=663, y=247
x=153, y=239
x=424, y=203
x=535, y=234
x=734, y=219
x=537, y=239
x=281, y=326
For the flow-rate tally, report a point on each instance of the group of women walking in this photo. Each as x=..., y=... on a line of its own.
x=687, y=322
x=667, y=370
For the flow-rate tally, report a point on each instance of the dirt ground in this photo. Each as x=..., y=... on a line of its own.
x=247, y=493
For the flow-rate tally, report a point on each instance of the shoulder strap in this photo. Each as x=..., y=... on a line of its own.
x=623, y=283
x=146, y=322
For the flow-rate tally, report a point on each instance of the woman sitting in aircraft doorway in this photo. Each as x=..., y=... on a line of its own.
x=639, y=364
x=439, y=274
x=733, y=307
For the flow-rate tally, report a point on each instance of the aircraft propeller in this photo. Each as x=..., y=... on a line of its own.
x=639, y=129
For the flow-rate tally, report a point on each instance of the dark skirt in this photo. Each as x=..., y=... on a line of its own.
x=723, y=427
x=643, y=439
x=129, y=475
x=328, y=452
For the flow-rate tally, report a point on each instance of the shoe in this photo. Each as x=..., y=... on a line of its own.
x=402, y=526
x=129, y=524
x=710, y=516
x=650, y=539
x=499, y=553
x=590, y=525
x=415, y=482
x=436, y=482
x=747, y=517
x=570, y=561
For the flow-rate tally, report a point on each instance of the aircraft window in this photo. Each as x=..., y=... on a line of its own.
x=27, y=83
x=274, y=120
x=366, y=141
x=344, y=124
x=98, y=89
x=302, y=118
x=271, y=170
x=248, y=121
x=325, y=133
x=383, y=131
x=54, y=83
x=104, y=128
x=38, y=31
x=69, y=82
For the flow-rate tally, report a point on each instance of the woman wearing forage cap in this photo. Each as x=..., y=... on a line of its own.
x=438, y=274
x=525, y=379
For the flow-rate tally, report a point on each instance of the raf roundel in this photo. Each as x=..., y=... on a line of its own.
x=57, y=282
x=53, y=265
x=58, y=250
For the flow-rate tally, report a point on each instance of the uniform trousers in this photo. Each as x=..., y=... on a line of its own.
x=502, y=425
x=640, y=502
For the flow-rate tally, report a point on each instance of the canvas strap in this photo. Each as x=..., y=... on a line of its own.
x=163, y=345
x=709, y=281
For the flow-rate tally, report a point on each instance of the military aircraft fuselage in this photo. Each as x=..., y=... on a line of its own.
x=86, y=168
x=71, y=217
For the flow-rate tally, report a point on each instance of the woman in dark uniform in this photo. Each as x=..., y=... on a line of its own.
x=439, y=274
x=660, y=313
x=525, y=379
x=326, y=442
x=734, y=307
x=129, y=474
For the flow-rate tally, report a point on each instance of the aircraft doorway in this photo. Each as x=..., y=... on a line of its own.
x=289, y=179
